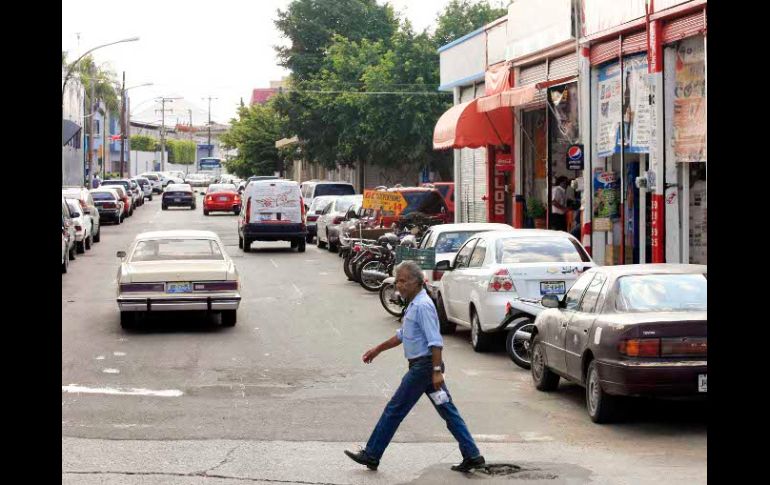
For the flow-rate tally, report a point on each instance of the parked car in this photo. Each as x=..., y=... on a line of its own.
x=272, y=211
x=69, y=227
x=128, y=206
x=629, y=330
x=89, y=208
x=172, y=177
x=177, y=271
x=126, y=185
x=198, y=179
x=178, y=195
x=447, y=190
x=327, y=225
x=64, y=247
x=419, y=200
x=446, y=239
x=145, y=185
x=157, y=186
x=136, y=189
x=109, y=204
x=492, y=267
x=314, y=212
x=221, y=198
x=82, y=224
x=315, y=188
x=356, y=219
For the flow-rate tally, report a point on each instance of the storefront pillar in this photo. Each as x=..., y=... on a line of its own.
x=657, y=144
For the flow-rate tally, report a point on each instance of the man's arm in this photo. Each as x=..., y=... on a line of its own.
x=438, y=377
x=370, y=354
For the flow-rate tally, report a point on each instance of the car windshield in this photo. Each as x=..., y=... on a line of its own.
x=427, y=202
x=74, y=206
x=319, y=203
x=450, y=242
x=539, y=250
x=152, y=177
x=177, y=249
x=343, y=204
x=102, y=196
x=661, y=293
x=222, y=188
x=334, y=189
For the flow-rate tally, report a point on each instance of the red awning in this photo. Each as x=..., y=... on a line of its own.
x=463, y=126
x=508, y=99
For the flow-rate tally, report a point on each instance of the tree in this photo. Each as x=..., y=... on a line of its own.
x=103, y=79
x=144, y=143
x=181, y=152
x=254, y=133
x=461, y=17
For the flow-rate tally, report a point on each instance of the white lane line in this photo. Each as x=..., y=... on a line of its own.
x=271, y=260
x=323, y=274
x=534, y=436
x=99, y=357
x=297, y=290
x=111, y=371
x=119, y=354
x=76, y=389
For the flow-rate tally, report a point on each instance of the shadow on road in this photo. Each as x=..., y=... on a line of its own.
x=178, y=322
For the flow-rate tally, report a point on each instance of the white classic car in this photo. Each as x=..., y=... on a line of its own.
x=177, y=271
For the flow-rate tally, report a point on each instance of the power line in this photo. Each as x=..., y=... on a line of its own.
x=376, y=93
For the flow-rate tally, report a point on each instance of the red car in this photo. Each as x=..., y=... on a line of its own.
x=447, y=190
x=425, y=200
x=222, y=198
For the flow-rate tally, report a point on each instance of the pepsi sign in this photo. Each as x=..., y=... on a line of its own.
x=575, y=160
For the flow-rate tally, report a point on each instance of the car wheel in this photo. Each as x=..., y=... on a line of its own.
x=602, y=408
x=301, y=246
x=127, y=319
x=320, y=244
x=89, y=242
x=237, y=211
x=164, y=207
x=81, y=246
x=331, y=246
x=517, y=342
x=543, y=377
x=72, y=253
x=240, y=242
x=65, y=264
x=193, y=207
x=293, y=244
x=229, y=318
x=150, y=198
x=445, y=326
x=309, y=239
x=479, y=340
x=98, y=236
x=246, y=245
x=205, y=212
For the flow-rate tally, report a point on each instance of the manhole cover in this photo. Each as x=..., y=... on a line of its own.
x=498, y=469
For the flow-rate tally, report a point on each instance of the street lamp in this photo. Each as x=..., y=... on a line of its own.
x=70, y=68
x=123, y=123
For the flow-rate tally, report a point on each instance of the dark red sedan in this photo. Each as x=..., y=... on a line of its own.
x=629, y=330
x=222, y=198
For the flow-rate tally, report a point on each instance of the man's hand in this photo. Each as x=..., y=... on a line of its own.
x=370, y=354
x=438, y=380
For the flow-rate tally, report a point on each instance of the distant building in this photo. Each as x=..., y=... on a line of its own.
x=262, y=95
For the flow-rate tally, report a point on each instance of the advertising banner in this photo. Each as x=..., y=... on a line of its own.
x=384, y=201
x=606, y=198
x=689, y=133
x=609, y=110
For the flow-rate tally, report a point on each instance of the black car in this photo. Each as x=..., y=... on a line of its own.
x=178, y=195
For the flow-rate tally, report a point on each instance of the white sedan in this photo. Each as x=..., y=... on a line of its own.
x=491, y=268
x=177, y=271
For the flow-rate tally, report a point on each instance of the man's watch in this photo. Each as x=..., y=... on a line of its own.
x=437, y=368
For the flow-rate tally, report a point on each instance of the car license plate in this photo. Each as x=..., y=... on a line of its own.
x=177, y=200
x=552, y=288
x=265, y=217
x=185, y=287
x=222, y=199
x=701, y=382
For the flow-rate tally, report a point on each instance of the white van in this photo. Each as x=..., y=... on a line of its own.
x=272, y=210
x=316, y=188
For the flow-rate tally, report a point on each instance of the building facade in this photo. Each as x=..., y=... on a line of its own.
x=73, y=112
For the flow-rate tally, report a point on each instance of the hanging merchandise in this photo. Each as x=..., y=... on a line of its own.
x=606, y=198
x=689, y=133
x=609, y=111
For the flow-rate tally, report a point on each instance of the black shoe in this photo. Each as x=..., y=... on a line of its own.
x=364, y=459
x=469, y=464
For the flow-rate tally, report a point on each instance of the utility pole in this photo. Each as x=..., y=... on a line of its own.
x=123, y=126
x=163, y=101
x=209, y=124
x=91, y=129
x=189, y=111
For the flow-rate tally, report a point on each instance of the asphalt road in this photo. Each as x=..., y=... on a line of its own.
x=280, y=395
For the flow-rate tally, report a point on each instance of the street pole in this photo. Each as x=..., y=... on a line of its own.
x=123, y=126
x=209, y=124
x=163, y=101
x=191, y=139
x=91, y=131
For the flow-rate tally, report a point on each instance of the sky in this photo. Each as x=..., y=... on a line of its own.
x=193, y=49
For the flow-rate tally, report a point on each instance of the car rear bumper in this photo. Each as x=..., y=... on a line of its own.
x=273, y=232
x=632, y=378
x=179, y=303
x=182, y=203
x=220, y=206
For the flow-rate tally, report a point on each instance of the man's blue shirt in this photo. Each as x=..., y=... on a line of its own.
x=420, y=328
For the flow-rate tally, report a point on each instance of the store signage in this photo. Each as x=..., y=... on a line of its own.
x=606, y=198
x=498, y=196
x=504, y=162
x=575, y=157
x=385, y=201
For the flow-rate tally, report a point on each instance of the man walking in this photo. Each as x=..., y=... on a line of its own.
x=422, y=347
x=559, y=204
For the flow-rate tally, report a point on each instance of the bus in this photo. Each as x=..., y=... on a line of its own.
x=211, y=166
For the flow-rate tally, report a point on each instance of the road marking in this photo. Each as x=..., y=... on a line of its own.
x=297, y=289
x=74, y=388
x=111, y=371
x=271, y=260
x=119, y=354
x=534, y=436
x=99, y=357
x=323, y=274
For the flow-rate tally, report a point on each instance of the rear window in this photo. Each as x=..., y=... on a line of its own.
x=222, y=188
x=450, y=242
x=425, y=202
x=176, y=249
x=319, y=204
x=102, y=196
x=334, y=189
x=539, y=250
x=661, y=293
x=126, y=185
x=152, y=177
x=343, y=204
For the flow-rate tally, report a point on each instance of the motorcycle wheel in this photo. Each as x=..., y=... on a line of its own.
x=371, y=283
x=389, y=300
x=355, y=267
x=347, y=267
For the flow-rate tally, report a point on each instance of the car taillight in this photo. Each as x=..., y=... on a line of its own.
x=248, y=210
x=78, y=227
x=312, y=218
x=437, y=275
x=215, y=286
x=683, y=346
x=338, y=219
x=109, y=205
x=501, y=281
x=642, y=347
x=129, y=287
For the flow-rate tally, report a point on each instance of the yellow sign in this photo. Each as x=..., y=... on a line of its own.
x=384, y=201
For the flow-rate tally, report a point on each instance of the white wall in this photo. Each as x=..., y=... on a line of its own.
x=531, y=29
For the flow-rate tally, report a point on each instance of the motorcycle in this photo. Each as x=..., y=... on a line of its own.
x=391, y=299
x=372, y=273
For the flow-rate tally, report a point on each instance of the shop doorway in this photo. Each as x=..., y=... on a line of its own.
x=534, y=169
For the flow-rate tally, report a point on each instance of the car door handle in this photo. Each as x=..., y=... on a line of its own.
x=564, y=325
x=585, y=330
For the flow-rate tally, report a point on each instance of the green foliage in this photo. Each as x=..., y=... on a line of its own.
x=144, y=143
x=535, y=208
x=181, y=152
x=462, y=17
x=254, y=133
x=103, y=79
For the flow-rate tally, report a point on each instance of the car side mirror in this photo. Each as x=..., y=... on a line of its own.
x=75, y=214
x=444, y=265
x=121, y=254
x=550, y=301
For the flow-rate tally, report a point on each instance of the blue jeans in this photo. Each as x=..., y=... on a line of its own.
x=418, y=380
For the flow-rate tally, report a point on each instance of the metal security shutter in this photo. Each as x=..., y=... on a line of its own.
x=562, y=67
x=684, y=27
x=633, y=43
x=605, y=51
x=465, y=197
x=479, y=185
x=531, y=75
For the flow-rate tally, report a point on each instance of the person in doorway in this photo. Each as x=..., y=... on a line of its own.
x=423, y=349
x=559, y=204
